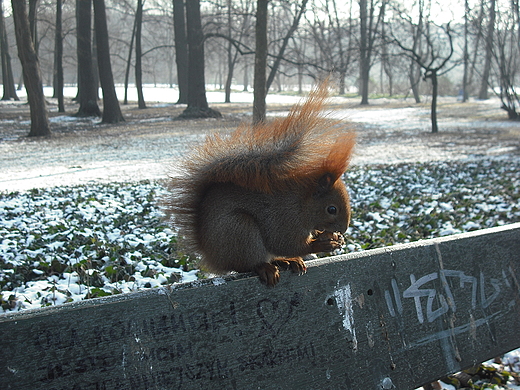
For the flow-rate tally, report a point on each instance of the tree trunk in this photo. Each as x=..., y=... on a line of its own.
x=285, y=42
x=20, y=82
x=58, y=57
x=504, y=57
x=339, y=33
x=196, y=77
x=197, y=102
x=259, y=84
x=386, y=62
x=33, y=6
x=342, y=76
x=414, y=75
x=364, y=66
x=87, y=86
x=111, y=110
x=230, y=59
x=129, y=62
x=477, y=36
x=7, y=71
x=483, y=94
x=516, y=12
x=181, y=50
x=465, y=55
x=246, y=77
x=95, y=67
x=31, y=71
x=229, y=77
x=433, y=76
x=415, y=72
x=138, y=55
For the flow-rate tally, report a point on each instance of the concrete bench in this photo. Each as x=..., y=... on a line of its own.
x=392, y=318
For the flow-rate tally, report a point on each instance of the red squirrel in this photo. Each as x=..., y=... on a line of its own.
x=266, y=195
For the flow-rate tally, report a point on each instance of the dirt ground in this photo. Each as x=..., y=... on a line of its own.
x=149, y=142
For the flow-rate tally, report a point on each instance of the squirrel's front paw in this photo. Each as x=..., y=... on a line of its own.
x=268, y=273
x=327, y=241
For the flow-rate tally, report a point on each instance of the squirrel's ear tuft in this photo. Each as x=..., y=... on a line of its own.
x=325, y=183
x=340, y=153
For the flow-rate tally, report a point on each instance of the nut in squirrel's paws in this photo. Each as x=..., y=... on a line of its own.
x=327, y=241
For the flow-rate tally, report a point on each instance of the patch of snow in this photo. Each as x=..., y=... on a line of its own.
x=47, y=163
x=470, y=225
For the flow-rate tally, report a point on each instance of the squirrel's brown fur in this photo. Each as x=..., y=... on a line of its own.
x=266, y=195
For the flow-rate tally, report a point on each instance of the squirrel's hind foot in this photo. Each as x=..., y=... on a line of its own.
x=295, y=264
x=268, y=273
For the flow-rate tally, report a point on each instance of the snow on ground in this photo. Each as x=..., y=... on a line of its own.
x=26, y=164
x=386, y=136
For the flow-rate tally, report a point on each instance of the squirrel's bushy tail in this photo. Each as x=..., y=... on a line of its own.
x=275, y=156
x=269, y=156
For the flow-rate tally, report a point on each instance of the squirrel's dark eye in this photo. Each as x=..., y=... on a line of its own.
x=332, y=210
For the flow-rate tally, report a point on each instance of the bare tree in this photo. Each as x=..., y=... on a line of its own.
x=111, y=109
x=197, y=103
x=259, y=85
x=465, y=53
x=334, y=38
x=95, y=64
x=476, y=31
x=58, y=57
x=505, y=64
x=138, y=54
x=515, y=5
x=285, y=40
x=238, y=27
x=414, y=69
x=129, y=61
x=181, y=49
x=386, y=66
x=364, y=52
x=413, y=23
x=31, y=70
x=432, y=59
x=231, y=56
x=87, y=85
x=483, y=94
x=230, y=22
x=368, y=23
x=33, y=7
x=7, y=70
